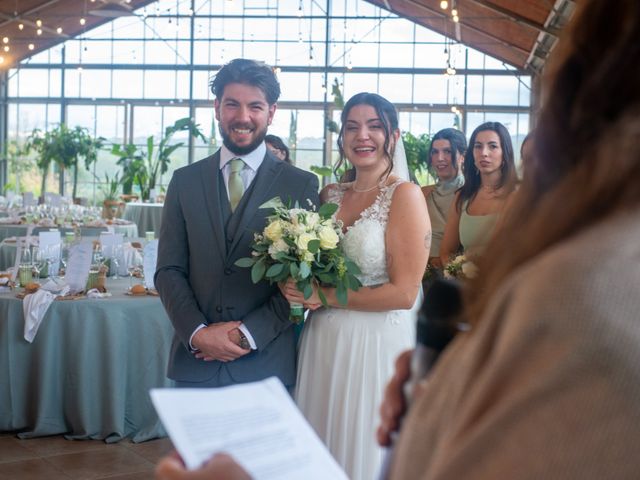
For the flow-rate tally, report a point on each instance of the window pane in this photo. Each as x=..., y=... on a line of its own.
x=127, y=84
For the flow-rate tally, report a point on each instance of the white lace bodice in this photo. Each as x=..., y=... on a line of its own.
x=364, y=241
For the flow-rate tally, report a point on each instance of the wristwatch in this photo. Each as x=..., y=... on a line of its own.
x=244, y=343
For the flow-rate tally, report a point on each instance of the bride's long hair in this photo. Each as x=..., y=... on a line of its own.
x=587, y=144
x=389, y=118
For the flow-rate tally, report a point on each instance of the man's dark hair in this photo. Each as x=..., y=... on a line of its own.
x=247, y=72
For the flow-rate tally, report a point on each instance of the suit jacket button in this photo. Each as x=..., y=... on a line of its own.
x=219, y=309
x=228, y=271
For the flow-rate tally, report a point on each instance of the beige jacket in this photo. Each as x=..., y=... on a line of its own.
x=547, y=386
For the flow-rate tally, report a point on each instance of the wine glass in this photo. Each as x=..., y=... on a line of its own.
x=39, y=260
x=115, y=260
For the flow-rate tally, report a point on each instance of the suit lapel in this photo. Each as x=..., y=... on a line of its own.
x=262, y=191
x=211, y=187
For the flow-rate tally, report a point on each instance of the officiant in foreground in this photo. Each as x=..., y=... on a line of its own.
x=227, y=329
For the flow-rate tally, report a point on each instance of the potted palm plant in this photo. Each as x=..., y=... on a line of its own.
x=145, y=166
x=112, y=206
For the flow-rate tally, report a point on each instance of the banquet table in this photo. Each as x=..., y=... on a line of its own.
x=147, y=216
x=88, y=372
x=10, y=230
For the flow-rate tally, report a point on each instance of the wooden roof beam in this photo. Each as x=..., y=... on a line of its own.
x=518, y=18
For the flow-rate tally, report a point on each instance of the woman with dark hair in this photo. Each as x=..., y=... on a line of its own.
x=277, y=147
x=489, y=179
x=446, y=155
x=347, y=352
x=546, y=384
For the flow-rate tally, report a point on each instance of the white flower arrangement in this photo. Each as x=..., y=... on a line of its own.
x=304, y=245
x=461, y=268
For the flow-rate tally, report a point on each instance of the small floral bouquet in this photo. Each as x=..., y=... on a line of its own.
x=461, y=268
x=303, y=245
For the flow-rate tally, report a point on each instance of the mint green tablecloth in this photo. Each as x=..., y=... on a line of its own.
x=147, y=216
x=88, y=372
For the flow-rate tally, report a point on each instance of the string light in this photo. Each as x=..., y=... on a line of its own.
x=456, y=19
x=31, y=46
x=39, y=23
x=59, y=30
x=20, y=26
x=5, y=40
x=82, y=21
x=1, y=59
x=454, y=12
x=6, y=48
x=444, y=4
x=39, y=31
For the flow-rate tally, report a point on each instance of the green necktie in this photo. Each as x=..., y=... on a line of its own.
x=236, y=185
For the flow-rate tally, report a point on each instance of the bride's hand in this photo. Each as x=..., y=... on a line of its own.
x=293, y=295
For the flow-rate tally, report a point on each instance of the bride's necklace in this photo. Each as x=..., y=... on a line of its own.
x=364, y=190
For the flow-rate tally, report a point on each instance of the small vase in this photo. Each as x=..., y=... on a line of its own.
x=296, y=312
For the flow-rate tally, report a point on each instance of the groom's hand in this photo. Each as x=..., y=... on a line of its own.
x=214, y=343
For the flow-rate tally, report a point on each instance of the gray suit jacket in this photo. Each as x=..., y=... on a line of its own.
x=199, y=283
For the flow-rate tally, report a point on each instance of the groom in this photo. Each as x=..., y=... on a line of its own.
x=227, y=329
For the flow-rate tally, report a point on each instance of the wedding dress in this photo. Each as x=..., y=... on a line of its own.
x=347, y=357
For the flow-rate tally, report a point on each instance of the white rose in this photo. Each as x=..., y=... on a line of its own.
x=273, y=231
x=328, y=238
x=277, y=247
x=469, y=270
x=302, y=242
x=312, y=219
x=294, y=213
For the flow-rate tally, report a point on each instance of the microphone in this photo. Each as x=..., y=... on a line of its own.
x=437, y=325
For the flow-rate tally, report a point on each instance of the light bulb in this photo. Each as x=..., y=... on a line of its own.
x=1, y=59
x=31, y=46
x=39, y=23
x=5, y=40
x=456, y=19
x=82, y=21
x=454, y=12
x=39, y=31
x=6, y=48
x=444, y=4
x=59, y=29
x=20, y=26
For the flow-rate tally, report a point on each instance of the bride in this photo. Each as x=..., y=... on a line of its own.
x=347, y=354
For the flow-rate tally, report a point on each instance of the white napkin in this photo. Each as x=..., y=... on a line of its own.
x=131, y=256
x=35, y=306
x=95, y=293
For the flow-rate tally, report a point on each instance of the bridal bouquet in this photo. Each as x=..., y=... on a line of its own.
x=303, y=245
x=460, y=268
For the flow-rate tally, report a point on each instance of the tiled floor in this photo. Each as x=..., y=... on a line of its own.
x=54, y=458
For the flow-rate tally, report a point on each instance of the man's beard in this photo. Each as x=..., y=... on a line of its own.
x=238, y=150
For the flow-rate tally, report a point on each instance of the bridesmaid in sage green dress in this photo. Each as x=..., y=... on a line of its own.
x=490, y=178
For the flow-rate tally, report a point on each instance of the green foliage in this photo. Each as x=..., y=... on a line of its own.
x=18, y=163
x=144, y=166
x=65, y=148
x=417, y=151
x=293, y=136
x=111, y=186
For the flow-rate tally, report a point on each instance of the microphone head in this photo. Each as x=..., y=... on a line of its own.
x=437, y=319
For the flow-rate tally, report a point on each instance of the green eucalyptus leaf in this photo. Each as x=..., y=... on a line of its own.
x=274, y=270
x=258, y=271
x=341, y=294
x=308, y=291
x=244, y=262
x=328, y=209
x=313, y=246
x=294, y=270
x=323, y=299
x=305, y=270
